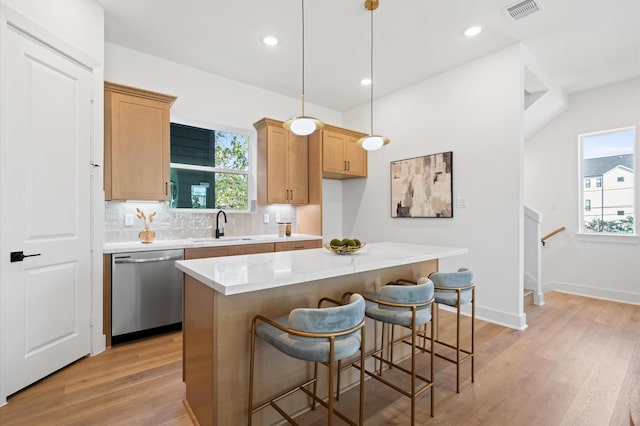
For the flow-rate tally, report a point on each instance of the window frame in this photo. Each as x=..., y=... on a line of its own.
x=607, y=236
x=251, y=172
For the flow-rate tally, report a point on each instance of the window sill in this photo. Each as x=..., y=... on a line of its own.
x=609, y=238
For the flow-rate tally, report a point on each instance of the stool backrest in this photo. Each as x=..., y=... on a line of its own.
x=408, y=294
x=462, y=278
x=328, y=320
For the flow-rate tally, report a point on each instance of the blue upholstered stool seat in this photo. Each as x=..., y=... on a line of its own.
x=404, y=306
x=318, y=335
x=400, y=294
x=456, y=289
x=327, y=320
x=453, y=280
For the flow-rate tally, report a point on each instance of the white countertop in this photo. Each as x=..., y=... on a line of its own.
x=132, y=246
x=254, y=272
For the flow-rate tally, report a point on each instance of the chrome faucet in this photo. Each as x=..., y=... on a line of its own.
x=220, y=233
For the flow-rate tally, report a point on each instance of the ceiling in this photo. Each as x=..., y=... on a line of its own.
x=580, y=44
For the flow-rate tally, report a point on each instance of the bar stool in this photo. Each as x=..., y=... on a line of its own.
x=318, y=335
x=456, y=289
x=407, y=306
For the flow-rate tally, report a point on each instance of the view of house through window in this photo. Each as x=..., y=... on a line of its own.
x=209, y=169
x=608, y=178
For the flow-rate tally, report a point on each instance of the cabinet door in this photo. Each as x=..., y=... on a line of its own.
x=332, y=152
x=277, y=188
x=356, y=157
x=298, y=169
x=139, y=148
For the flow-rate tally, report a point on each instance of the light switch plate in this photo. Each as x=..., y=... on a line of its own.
x=461, y=202
x=266, y=218
x=277, y=217
x=128, y=220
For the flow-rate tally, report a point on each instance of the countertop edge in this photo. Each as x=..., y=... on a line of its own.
x=415, y=253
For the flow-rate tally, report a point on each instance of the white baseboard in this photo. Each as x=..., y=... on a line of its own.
x=594, y=292
x=518, y=322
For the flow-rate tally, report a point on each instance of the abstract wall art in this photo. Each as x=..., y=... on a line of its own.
x=422, y=186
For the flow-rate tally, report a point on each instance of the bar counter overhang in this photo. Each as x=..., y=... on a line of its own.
x=222, y=295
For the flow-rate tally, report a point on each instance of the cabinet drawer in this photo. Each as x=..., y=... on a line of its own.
x=199, y=253
x=298, y=245
x=253, y=248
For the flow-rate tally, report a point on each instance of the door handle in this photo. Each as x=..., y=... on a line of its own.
x=18, y=256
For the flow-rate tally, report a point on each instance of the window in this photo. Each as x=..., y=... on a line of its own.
x=609, y=158
x=209, y=168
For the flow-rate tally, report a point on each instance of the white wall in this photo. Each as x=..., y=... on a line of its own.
x=476, y=112
x=596, y=266
x=202, y=96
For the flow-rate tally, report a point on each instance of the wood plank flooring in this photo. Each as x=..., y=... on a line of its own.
x=576, y=364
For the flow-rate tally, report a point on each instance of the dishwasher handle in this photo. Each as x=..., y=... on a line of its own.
x=153, y=259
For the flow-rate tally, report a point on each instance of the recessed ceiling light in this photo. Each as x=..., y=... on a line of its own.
x=365, y=81
x=473, y=31
x=270, y=41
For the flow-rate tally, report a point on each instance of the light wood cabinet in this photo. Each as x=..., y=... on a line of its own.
x=298, y=245
x=342, y=157
x=283, y=165
x=202, y=252
x=136, y=140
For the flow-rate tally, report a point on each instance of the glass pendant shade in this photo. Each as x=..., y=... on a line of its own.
x=303, y=125
x=373, y=142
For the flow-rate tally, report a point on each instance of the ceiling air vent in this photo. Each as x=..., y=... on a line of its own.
x=522, y=9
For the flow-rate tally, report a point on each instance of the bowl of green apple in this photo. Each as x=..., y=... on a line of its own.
x=344, y=246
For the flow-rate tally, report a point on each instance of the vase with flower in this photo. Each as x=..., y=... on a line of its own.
x=146, y=235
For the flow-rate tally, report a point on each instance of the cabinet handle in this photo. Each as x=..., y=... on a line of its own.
x=166, y=188
x=345, y=166
x=348, y=166
x=291, y=194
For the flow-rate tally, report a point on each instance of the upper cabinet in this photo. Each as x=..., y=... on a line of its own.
x=283, y=164
x=342, y=157
x=136, y=142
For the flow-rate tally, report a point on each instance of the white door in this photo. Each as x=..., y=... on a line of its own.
x=44, y=210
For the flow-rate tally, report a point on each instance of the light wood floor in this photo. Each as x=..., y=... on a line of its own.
x=576, y=364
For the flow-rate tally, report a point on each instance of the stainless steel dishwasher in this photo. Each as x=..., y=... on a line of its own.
x=146, y=293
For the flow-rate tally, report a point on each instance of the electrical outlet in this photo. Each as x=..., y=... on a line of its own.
x=266, y=218
x=128, y=220
x=277, y=217
x=461, y=202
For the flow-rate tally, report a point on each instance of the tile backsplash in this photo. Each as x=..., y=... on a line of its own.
x=172, y=224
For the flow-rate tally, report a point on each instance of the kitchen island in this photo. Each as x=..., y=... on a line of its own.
x=221, y=296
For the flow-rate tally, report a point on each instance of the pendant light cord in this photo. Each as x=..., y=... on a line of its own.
x=371, y=103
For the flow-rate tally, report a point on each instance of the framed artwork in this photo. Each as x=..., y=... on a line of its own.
x=422, y=186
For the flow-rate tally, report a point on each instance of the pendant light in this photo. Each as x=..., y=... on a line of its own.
x=303, y=125
x=372, y=142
